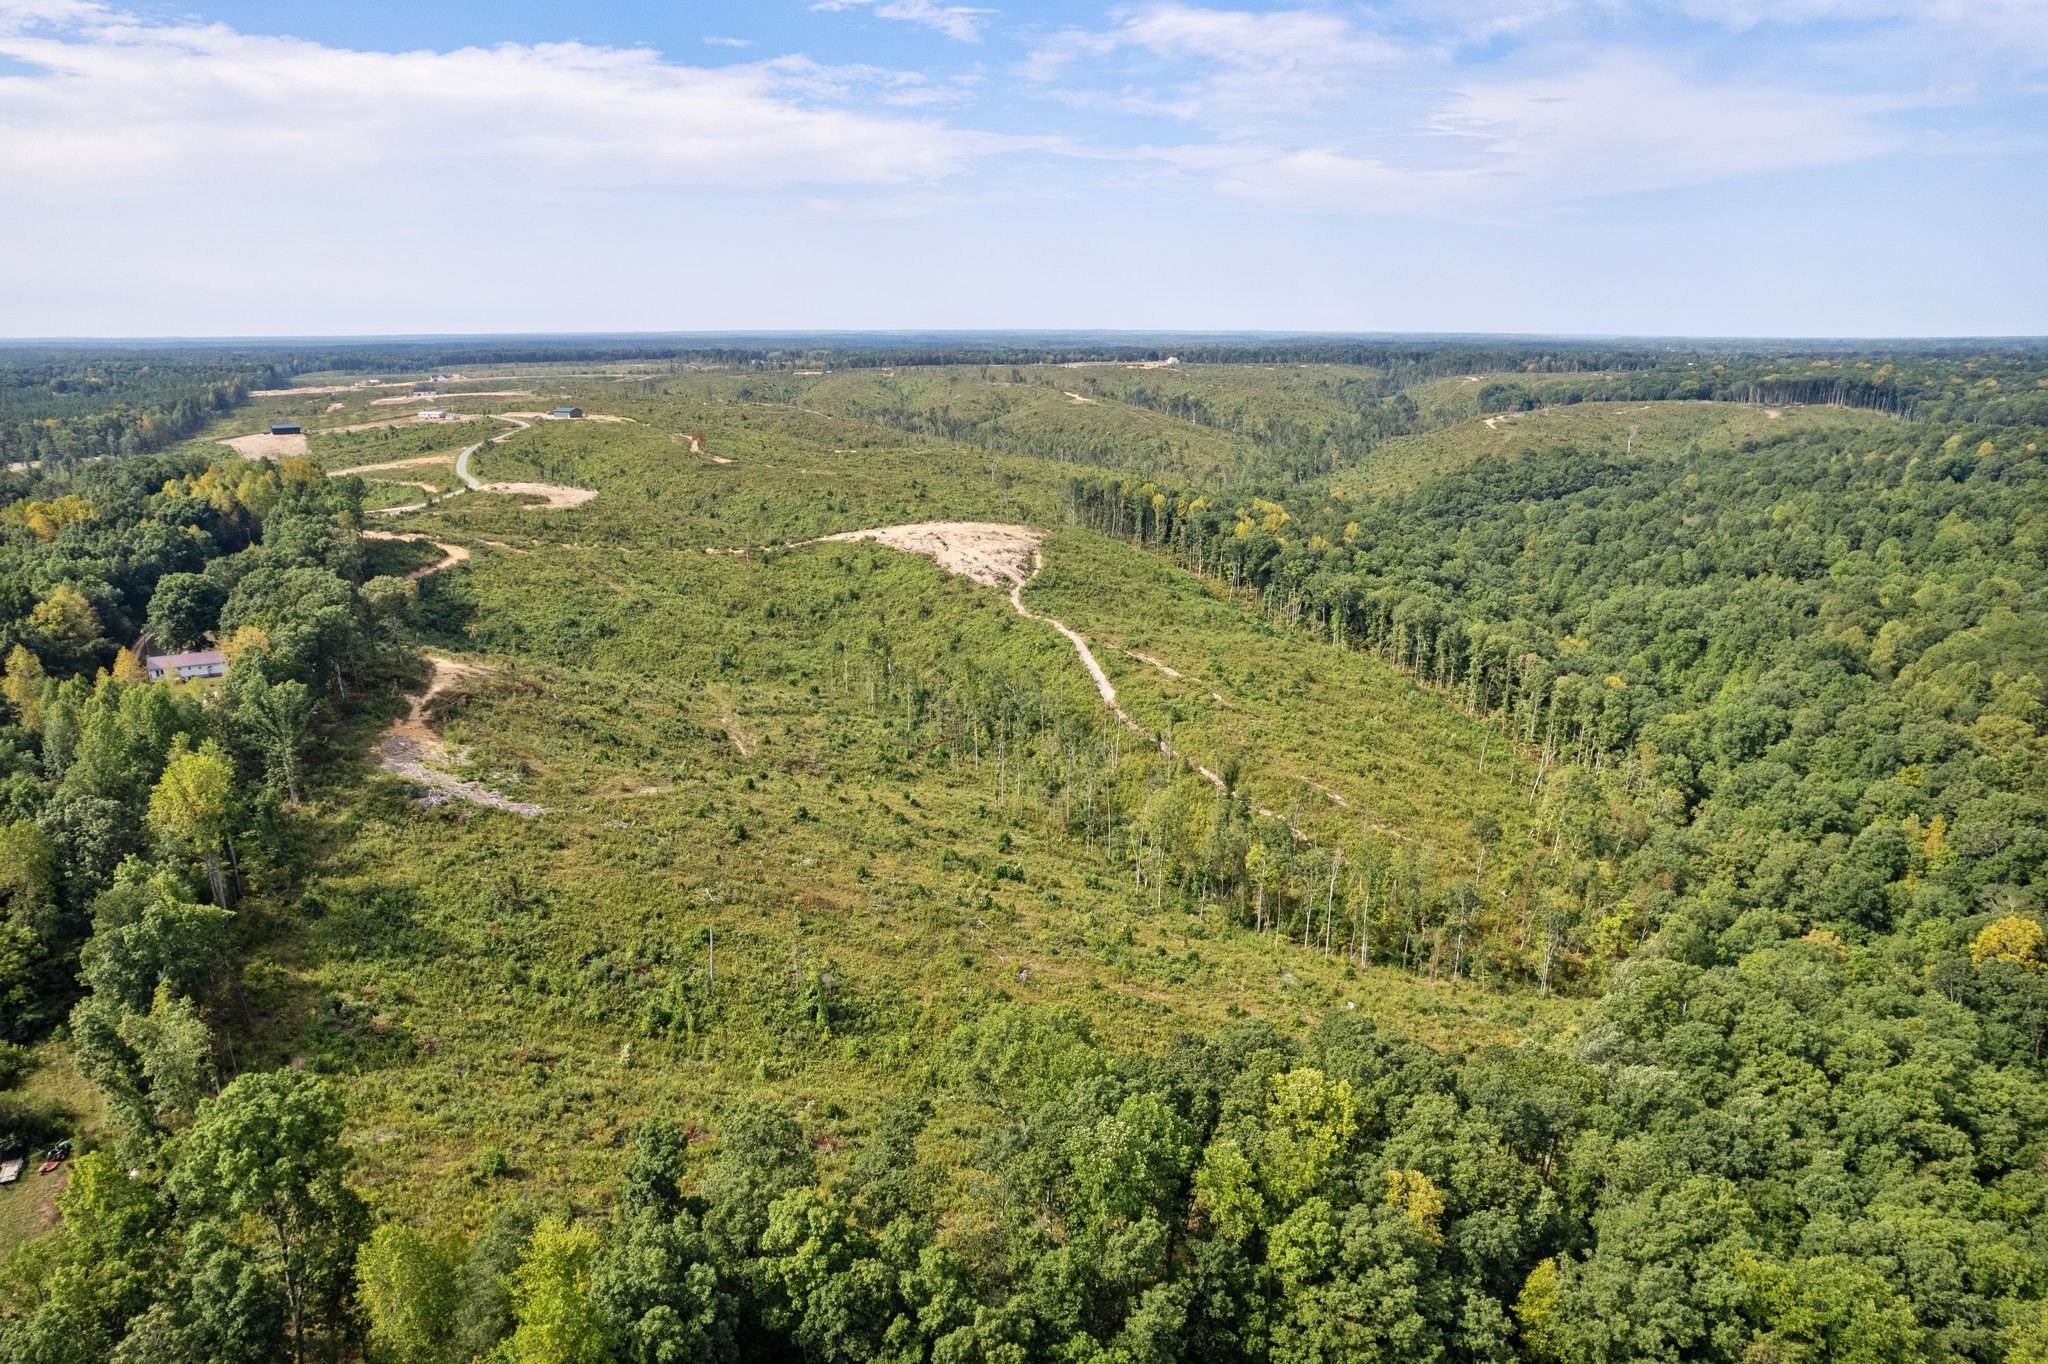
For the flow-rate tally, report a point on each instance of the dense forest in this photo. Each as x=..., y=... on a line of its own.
x=1759, y=734
x=63, y=407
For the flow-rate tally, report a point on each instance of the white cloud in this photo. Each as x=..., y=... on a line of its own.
x=1306, y=107
x=961, y=22
x=122, y=105
x=730, y=42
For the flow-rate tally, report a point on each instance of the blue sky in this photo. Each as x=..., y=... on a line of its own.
x=1723, y=167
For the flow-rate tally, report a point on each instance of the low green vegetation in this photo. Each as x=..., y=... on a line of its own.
x=1560, y=880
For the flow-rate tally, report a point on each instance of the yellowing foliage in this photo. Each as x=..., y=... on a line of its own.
x=23, y=687
x=45, y=519
x=1418, y=1197
x=2014, y=938
x=129, y=668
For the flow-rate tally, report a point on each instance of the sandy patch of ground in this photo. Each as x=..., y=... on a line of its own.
x=551, y=417
x=718, y=459
x=416, y=462
x=267, y=446
x=1078, y=398
x=386, y=425
x=992, y=554
x=453, y=554
x=436, y=399
x=336, y=407
x=1773, y=413
x=557, y=496
x=411, y=750
x=1147, y=658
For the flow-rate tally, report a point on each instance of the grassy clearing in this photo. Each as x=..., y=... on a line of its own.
x=53, y=1098
x=734, y=773
x=1609, y=430
x=699, y=728
x=1334, y=740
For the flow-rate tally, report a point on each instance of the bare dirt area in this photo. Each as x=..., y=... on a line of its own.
x=411, y=750
x=267, y=446
x=416, y=462
x=551, y=417
x=990, y=553
x=388, y=423
x=436, y=399
x=555, y=494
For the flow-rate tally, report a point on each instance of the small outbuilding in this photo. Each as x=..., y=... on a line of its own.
x=186, y=666
x=563, y=414
x=287, y=429
x=435, y=414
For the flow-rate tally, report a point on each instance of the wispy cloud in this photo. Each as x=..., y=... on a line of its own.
x=730, y=42
x=1315, y=107
x=124, y=105
x=960, y=22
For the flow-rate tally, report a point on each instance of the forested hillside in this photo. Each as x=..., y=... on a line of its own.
x=1454, y=852
x=62, y=406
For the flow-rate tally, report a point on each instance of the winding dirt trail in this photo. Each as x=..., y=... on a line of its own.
x=997, y=555
x=451, y=554
x=556, y=495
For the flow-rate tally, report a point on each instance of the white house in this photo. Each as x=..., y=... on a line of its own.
x=186, y=666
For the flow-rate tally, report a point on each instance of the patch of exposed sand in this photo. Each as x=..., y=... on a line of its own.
x=416, y=462
x=336, y=407
x=1077, y=397
x=436, y=399
x=718, y=459
x=1147, y=658
x=414, y=420
x=557, y=496
x=267, y=446
x=992, y=554
x=411, y=750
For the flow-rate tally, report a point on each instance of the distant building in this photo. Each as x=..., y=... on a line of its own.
x=369, y=383
x=435, y=414
x=563, y=414
x=185, y=667
x=287, y=429
x=426, y=391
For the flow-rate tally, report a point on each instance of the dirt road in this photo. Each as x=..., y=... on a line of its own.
x=451, y=554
